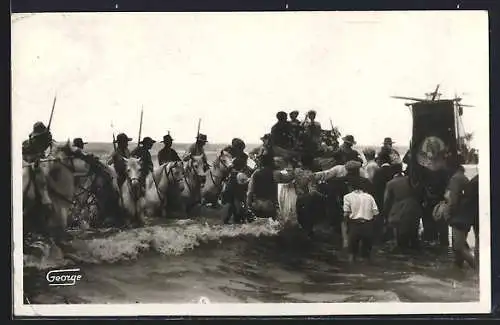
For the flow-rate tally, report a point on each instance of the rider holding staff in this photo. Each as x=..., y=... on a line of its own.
x=40, y=139
x=121, y=152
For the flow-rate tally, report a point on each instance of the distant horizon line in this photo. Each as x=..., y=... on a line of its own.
x=220, y=143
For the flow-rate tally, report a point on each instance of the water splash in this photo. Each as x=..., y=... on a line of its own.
x=171, y=240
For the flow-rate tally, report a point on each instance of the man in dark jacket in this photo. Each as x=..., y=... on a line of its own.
x=78, y=142
x=296, y=129
x=388, y=154
x=346, y=152
x=167, y=153
x=197, y=149
x=460, y=200
x=281, y=131
x=40, y=139
x=116, y=158
x=142, y=152
x=402, y=209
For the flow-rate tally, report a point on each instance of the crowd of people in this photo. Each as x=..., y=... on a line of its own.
x=373, y=199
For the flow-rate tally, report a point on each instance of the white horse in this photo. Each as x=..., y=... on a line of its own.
x=215, y=176
x=57, y=172
x=131, y=199
x=158, y=183
x=193, y=173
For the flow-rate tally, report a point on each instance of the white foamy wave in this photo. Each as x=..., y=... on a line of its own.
x=167, y=240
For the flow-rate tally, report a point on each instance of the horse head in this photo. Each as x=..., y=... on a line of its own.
x=175, y=173
x=224, y=161
x=133, y=172
x=195, y=163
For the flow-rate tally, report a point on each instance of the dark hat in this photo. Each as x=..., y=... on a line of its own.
x=294, y=113
x=388, y=141
x=122, y=137
x=202, y=137
x=78, y=142
x=167, y=138
x=147, y=140
x=349, y=139
x=353, y=164
x=311, y=112
x=238, y=143
x=38, y=129
x=265, y=136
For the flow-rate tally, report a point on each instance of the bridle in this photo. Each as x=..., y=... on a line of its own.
x=70, y=167
x=168, y=173
x=189, y=168
x=218, y=182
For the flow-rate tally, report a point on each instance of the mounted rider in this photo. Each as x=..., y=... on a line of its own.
x=388, y=154
x=78, y=142
x=116, y=158
x=142, y=152
x=346, y=152
x=40, y=139
x=167, y=154
x=197, y=149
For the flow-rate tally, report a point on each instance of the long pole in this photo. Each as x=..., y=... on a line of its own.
x=140, y=128
x=114, y=139
x=52, y=112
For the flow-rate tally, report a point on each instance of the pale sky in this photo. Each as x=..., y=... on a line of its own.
x=236, y=70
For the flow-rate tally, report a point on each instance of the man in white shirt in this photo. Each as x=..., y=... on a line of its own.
x=359, y=212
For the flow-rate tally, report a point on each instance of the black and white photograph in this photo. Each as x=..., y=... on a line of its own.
x=250, y=163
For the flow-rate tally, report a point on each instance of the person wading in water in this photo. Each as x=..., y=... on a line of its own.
x=359, y=212
x=262, y=195
x=402, y=209
x=462, y=199
x=234, y=192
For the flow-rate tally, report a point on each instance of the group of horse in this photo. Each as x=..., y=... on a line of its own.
x=130, y=204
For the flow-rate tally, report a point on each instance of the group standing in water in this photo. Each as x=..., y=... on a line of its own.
x=363, y=195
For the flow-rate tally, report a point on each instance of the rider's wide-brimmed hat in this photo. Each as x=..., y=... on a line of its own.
x=147, y=141
x=238, y=143
x=349, y=139
x=388, y=140
x=122, y=137
x=167, y=138
x=78, y=142
x=202, y=137
x=38, y=129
